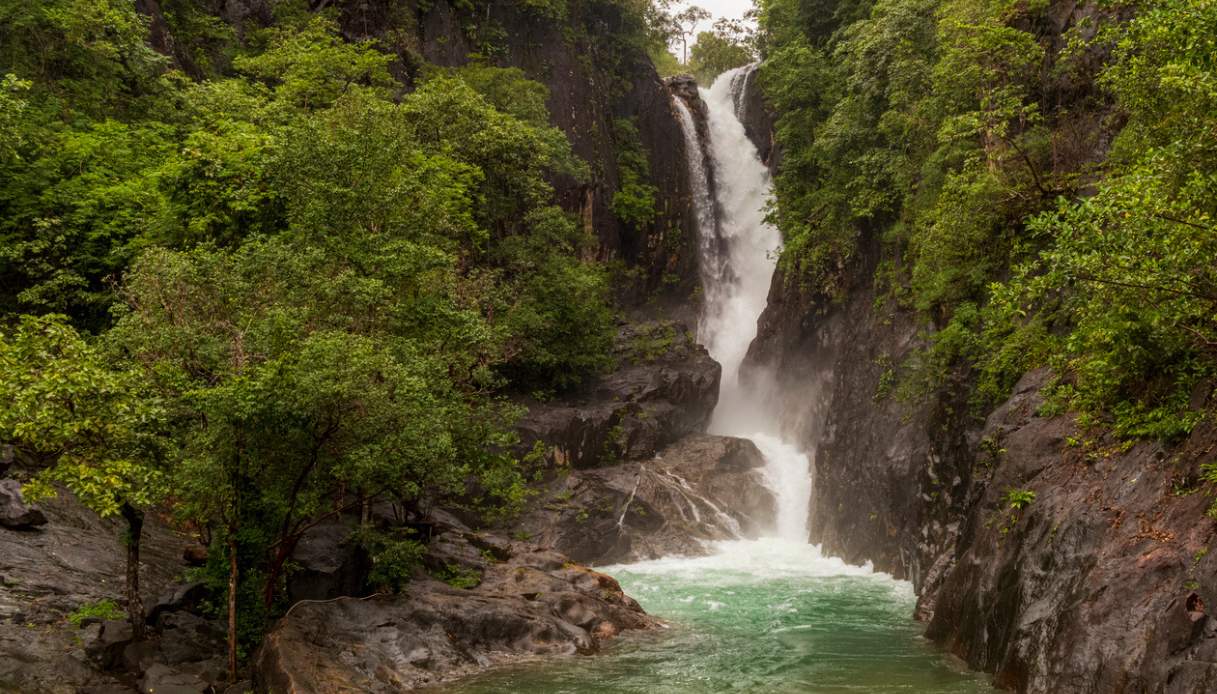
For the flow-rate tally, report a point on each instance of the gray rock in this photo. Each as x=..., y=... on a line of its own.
x=529, y=602
x=74, y=560
x=699, y=489
x=1099, y=584
x=14, y=512
x=162, y=679
x=666, y=387
x=328, y=565
x=184, y=596
x=110, y=642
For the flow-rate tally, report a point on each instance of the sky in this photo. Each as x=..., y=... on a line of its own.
x=732, y=9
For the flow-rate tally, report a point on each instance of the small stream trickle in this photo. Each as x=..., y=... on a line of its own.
x=770, y=614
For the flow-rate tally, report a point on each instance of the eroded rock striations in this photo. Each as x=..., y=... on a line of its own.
x=699, y=489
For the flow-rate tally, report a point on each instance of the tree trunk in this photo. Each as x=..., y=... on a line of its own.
x=232, y=604
x=135, y=604
x=275, y=572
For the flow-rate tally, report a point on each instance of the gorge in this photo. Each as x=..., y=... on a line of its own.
x=372, y=346
x=767, y=613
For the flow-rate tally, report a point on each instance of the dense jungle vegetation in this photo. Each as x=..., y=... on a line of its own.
x=1042, y=198
x=279, y=279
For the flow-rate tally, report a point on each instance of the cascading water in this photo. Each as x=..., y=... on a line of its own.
x=768, y=614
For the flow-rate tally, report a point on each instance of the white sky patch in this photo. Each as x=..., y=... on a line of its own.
x=731, y=9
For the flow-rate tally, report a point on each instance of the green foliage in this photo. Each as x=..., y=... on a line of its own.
x=922, y=130
x=459, y=576
x=654, y=340
x=1137, y=259
x=102, y=609
x=311, y=66
x=1208, y=474
x=1019, y=499
x=634, y=200
x=11, y=107
x=725, y=47
x=93, y=428
x=309, y=288
x=396, y=556
x=88, y=55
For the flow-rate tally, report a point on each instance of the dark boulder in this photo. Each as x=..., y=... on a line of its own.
x=184, y=596
x=109, y=640
x=14, y=512
x=328, y=564
x=162, y=679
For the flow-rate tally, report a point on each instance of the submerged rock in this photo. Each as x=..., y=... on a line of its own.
x=527, y=602
x=701, y=488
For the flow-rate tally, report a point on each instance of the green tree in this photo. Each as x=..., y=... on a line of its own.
x=301, y=394
x=716, y=52
x=685, y=24
x=93, y=427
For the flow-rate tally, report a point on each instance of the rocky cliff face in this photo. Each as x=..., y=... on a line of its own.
x=699, y=489
x=665, y=387
x=890, y=478
x=754, y=112
x=1098, y=582
x=592, y=81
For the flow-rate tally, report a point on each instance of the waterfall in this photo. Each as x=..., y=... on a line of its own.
x=740, y=250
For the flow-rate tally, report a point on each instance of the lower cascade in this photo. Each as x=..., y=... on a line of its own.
x=761, y=614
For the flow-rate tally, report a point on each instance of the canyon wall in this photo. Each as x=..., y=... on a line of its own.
x=1057, y=558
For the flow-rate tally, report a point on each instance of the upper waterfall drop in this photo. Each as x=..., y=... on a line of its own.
x=750, y=245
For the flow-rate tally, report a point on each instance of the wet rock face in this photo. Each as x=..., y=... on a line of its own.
x=665, y=387
x=527, y=602
x=1102, y=582
x=48, y=572
x=758, y=119
x=14, y=512
x=702, y=488
x=891, y=479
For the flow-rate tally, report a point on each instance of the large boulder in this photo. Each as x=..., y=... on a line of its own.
x=327, y=564
x=526, y=602
x=665, y=387
x=14, y=512
x=699, y=489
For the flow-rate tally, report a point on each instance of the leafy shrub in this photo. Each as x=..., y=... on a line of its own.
x=102, y=609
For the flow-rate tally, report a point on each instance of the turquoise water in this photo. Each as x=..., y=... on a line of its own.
x=757, y=616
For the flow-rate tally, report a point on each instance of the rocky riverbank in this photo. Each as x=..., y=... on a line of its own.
x=623, y=473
